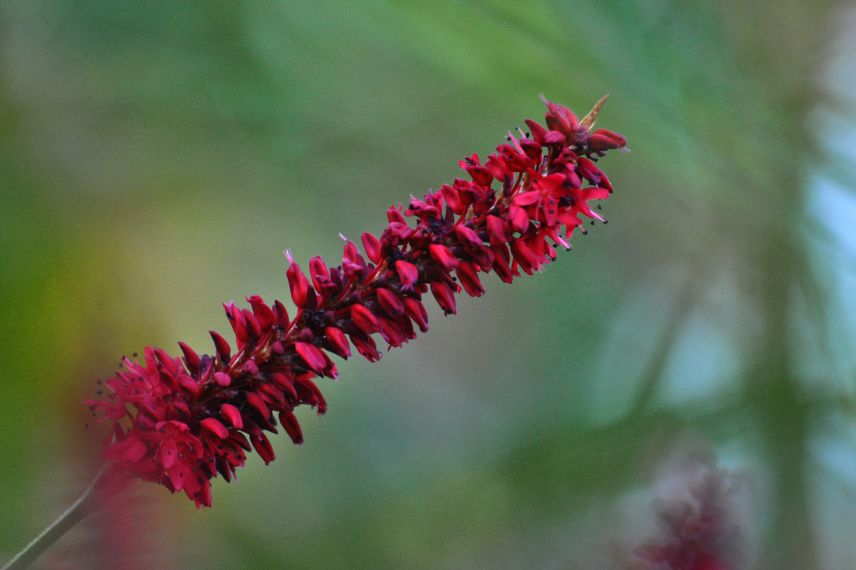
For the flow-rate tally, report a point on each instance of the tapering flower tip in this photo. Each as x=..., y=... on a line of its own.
x=221, y=345
x=281, y=315
x=298, y=284
x=192, y=359
x=319, y=273
x=238, y=322
x=371, y=245
x=589, y=120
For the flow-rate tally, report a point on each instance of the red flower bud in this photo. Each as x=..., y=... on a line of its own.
x=232, y=415
x=364, y=319
x=390, y=302
x=337, y=342
x=371, y=245
x=215, y=427
x=190, y=357
x=298, y=284
x=443, y=256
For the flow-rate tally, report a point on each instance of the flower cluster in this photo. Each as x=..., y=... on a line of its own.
x=179, y=421
x=698, y=532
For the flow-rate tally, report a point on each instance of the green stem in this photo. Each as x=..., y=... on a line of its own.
x=84, y=506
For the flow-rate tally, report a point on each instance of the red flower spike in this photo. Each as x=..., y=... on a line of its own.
x=181, y=422
x=220, y=344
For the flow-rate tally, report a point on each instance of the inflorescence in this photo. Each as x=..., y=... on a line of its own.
x=179, y=421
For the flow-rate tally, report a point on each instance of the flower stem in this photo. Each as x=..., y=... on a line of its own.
x=84, y=506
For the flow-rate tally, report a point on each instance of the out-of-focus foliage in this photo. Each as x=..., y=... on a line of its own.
x=156, y=157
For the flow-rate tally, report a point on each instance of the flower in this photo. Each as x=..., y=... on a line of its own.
x=699, y=531
x=180, y=421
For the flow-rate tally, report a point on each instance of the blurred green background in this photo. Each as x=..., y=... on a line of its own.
x=155, y=159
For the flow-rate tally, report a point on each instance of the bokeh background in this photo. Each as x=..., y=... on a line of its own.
x=155, y=159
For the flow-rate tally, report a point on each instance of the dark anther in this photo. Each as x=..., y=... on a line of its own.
x=394, y=255
x=314, y=319
x=436, y=226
